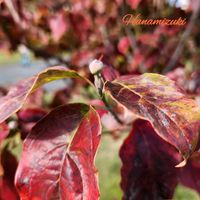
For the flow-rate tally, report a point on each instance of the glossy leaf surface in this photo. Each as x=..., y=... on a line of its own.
x=58, y=155
x=17, y=95
x=156, y=98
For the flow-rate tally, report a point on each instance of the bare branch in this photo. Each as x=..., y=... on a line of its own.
x=13, y=12
x=184, y=37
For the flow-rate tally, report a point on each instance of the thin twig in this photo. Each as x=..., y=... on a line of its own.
x=13, y=12
x=128, y=31
x=183, y=39
x=111, y=110
x=132, y=40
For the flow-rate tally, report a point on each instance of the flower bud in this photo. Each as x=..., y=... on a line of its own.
x=96, y=66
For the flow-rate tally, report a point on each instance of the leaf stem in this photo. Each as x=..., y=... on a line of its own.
x=111, y=110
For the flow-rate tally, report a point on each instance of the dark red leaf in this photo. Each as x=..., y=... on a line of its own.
x=59, y=154
x=27, y=118
x=190, y=175
x=31, y=115
x=61, y=97
x=7, y=190
x=4, y=131
x=7, y=172
x=148, y=170
x=3, y=91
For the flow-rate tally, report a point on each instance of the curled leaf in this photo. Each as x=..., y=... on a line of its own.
x=17, y=95
x=156, y=98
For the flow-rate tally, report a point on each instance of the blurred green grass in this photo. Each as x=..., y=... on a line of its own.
x=108, y=164
x=9, y=58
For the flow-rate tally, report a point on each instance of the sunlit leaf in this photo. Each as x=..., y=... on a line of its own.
x=17, y=95
x=59, y=154
x=155, y=98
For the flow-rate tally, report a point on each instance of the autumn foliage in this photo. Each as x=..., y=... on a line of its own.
x=141, y=78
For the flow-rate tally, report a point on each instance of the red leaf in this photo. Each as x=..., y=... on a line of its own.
x=35, y=99
x=99, y=107
x=134, y=3
x=149, y=39
x=31, y=115
x=4, y=131
x=7, y=190
x=109, y=73
x=3, y=91
x=80, y=58
x=157, y=99
x=7, y=173
x=59, y=154
x=81, y=24
x=61, y=97
x=178, y=75
x=190, y=176
x=148, y=170
x=58, y=25
x=139, y=58
x=17, y=95
x=28, y=118
x=107, y=119
x=124, y=45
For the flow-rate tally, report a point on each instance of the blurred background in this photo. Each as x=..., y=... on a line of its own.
x=37, y=34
